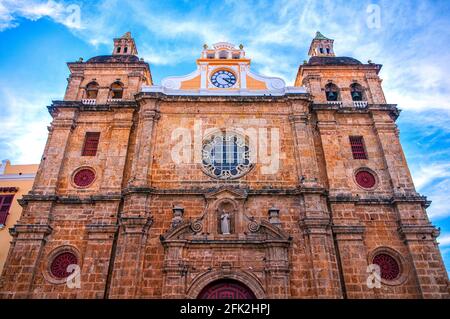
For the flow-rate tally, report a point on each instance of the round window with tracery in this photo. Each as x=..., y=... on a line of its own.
x=389, y=267
x=226, y=155
x=365, y=179
x=84, y=177
x=58, y=267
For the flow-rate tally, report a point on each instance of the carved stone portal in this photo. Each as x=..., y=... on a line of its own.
x=227, y=234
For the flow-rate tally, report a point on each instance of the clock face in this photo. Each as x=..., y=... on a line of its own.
x=223, y=79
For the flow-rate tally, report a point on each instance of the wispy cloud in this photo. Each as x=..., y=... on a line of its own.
x=10, y=10
x=444, y=240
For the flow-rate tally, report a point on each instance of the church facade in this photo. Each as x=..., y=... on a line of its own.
x=223, y=184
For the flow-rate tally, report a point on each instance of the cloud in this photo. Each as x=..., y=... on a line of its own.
x=10, y=10
x=22, y=117
x=430, y=172
x=444, y=240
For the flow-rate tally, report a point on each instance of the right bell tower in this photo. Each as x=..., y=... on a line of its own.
x=377, y=216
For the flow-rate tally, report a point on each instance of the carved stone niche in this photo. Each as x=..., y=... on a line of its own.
x=225, y=201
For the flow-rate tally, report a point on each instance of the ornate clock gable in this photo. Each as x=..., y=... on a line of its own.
x=223, y=69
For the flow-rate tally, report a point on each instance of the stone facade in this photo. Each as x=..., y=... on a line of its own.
x=149, y=227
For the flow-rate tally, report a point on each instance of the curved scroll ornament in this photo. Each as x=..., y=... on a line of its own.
x=197, y=226
x=253, y=226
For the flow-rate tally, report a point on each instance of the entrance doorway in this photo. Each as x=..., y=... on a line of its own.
x=226, y=289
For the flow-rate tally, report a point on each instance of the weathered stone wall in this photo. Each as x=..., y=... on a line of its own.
x=129, y=245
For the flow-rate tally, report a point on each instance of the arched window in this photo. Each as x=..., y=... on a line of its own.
x=223, y=55
x=125, y=50
x=92, y=90
x=116, y=90
x=357, y=92
x=332, y=92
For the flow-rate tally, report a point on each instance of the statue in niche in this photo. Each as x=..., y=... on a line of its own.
x=225, y=223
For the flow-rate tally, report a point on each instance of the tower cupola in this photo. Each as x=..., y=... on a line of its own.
x=125, y=45
x=321, y=46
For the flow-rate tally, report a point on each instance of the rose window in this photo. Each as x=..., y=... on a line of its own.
x=365, y=179
x=389, y=267
x=58, y=267
x=84, y=177
x=226, y=156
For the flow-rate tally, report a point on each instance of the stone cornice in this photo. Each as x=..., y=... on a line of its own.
x=221, y=98
x=348, y=229
x=419, y=232
x=379, y=200
x=394, y=112
x=202, y=191
x=30, y=231
x=68, y=199
x=92, y=108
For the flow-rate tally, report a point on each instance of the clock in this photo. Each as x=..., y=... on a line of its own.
x=223, y=79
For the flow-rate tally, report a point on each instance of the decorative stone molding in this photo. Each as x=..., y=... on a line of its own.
x=178, y=213
x=136, y=225
x=315, y=225
x=411, y=233
x=349, y=232
x=274, y=216
x=101, y=231
x=30, y=231
x=247, y=278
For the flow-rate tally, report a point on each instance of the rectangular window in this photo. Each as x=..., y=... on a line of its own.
x=91, y=144
x=358, y=148
x=5, y=204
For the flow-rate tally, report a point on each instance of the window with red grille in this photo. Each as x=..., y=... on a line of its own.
x=358, y=149
x=58, y=267
x=5, y=204
x=389, y=267
x=84, y=177
x=91, y=144
x=365, y=179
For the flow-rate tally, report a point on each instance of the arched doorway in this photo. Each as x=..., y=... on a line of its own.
x=226, y=289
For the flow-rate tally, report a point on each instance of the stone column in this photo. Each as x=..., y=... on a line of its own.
x=426, y=258
x=48, y=174
x=387, y=133
x=316, y=225
x=23, y=259
x=96, y=261
x=148, y=115
x=277, y=270
x=117, y=152
x=175, y=271
x=73, y=91
x=305, y=153
x=129, y=257
x=353, y=260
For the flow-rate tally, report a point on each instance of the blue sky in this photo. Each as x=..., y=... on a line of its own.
x=411, y=40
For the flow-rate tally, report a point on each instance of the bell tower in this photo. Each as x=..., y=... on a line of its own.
x=125, y=45
x=321, y=46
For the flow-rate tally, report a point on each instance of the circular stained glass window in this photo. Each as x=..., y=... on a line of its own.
x=84, y=177
x=389, y=267
x=365, y=179
x=226, y=155
x=58, y=267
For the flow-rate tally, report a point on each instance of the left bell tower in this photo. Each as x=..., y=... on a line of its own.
x=72, y=211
